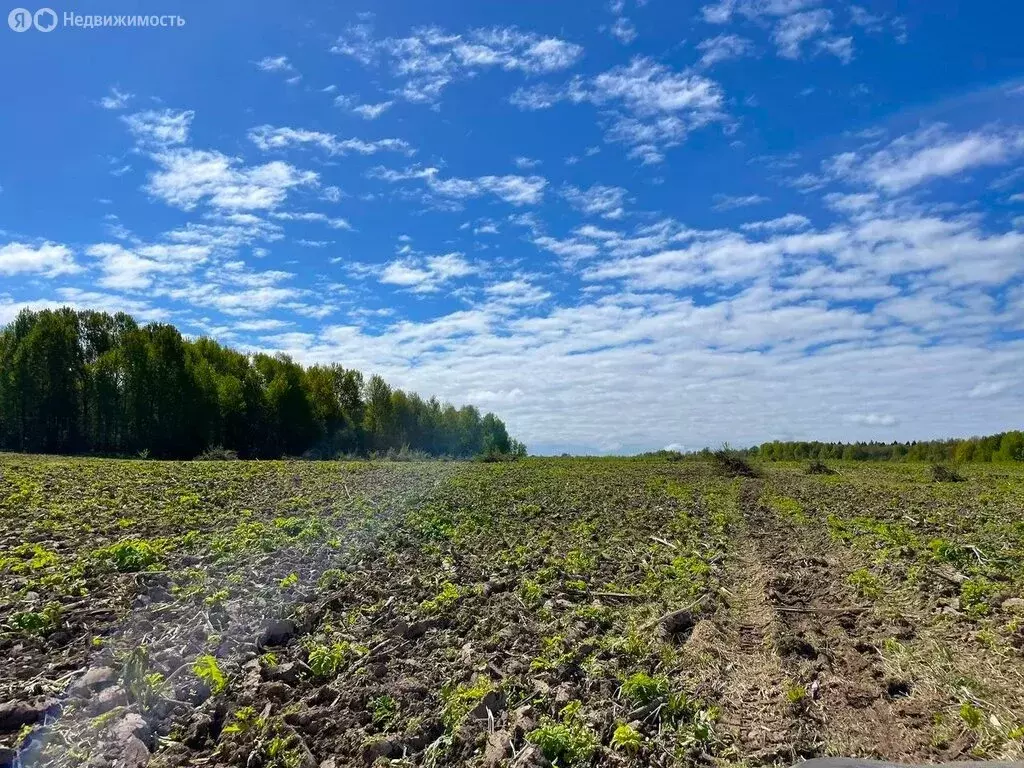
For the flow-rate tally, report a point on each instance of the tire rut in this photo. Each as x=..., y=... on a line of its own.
x=805, y=677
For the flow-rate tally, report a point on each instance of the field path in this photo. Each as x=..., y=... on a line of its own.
x=804, y=677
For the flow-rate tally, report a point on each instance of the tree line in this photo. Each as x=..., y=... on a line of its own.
x=91, y=382
x=1005, y=446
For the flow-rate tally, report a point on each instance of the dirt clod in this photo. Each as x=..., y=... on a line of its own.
x=277, y=633
x=531, y=757
x=131, y=725
x=133, y=754
x=499, y=744
x=16, y=714
x=95, y=679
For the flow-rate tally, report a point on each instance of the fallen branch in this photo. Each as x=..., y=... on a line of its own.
x=672, y=615
x=616, y=595
x=608, y=595
x=837, y=611
x=664, y=541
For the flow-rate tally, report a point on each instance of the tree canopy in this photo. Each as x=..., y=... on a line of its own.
x=91, y=382
x=1005, y=446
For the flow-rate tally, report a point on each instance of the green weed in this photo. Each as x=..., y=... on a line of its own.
x=208, y=670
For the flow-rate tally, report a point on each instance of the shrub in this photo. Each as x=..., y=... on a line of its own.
x=406, y=454
x=217, y=453
x=943, y=474
x=731, y=463
x=818, y=467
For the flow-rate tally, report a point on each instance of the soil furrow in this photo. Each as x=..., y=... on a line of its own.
x=807, y=678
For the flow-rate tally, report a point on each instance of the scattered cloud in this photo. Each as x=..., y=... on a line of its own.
x=789, y=221
x=513, y=189
x=160, y=128
x=722, y=48
x=793, y=31
x=598, y=200
x=426, y=274
x=373, y=111
x=930, y=153
x=187, y=177
x=132, y=269
x=275, y=64
x=116, y=99
x=654, y=107
x=267, y=137
x=517, y=292
x=988, y=388
x=872, y=419
x=623, y=30
x=45, y=259
x=728, y=202
x=334, y=222
x=430, y=59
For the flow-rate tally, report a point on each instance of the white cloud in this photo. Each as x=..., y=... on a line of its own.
x=267, y=324
x=724, y=10
x=656, y=107
x=793, y=31
x=793, y=23
x=160, y=128
x=517, y=292
x=116, y=99
x=988, y=388
x=728, y=202
x=647, y=88
x=372, y=111
x=47, y=259
x=426, y=274
x=334, y=222
x=135, y=268
x=526, y=163
x=267, y=138
x=623, y=30
x=872, y=419
x=789, y=221
x=428, y=60
x=929, y=154
x=840, y=47
x=513, y=189
x=187, y=177
x=598, y=200
x=275, y=64
x=723, y=48
x=572, y=249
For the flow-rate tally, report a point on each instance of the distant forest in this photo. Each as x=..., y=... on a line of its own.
x=1006, y=446
x=90, y=382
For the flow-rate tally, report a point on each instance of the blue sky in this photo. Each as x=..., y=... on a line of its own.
x=620, y=226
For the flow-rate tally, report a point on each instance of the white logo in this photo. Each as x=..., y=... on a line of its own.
x=45, y=19
x=20, y=19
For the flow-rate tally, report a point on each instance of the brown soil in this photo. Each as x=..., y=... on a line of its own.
x=806, y=678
